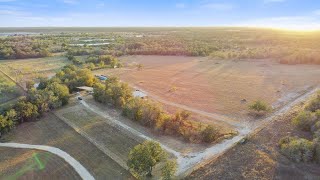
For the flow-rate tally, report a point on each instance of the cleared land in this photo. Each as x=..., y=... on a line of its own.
x=259, y=158
x=52, y=131
x=30, y=69
x=218, y=86
x=33, y=164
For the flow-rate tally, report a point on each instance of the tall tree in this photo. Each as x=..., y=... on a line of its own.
x=143, y=157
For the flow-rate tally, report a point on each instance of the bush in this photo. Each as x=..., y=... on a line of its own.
x=209, y=134
x=317, y=148
x=259, y=106
x=298, y=150
x=304, y=120
x=314, y=105
x=168, y=170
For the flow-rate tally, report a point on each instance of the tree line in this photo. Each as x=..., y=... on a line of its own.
x=150, y=114
x=49, y=95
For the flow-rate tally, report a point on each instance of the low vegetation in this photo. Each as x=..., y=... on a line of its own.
x=8, y=90
x=301, y=149
x=259, y=107
x=151, y=114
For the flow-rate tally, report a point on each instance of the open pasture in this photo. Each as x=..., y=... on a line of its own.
x=223, y=87
x=30, y=69
x=8, y=90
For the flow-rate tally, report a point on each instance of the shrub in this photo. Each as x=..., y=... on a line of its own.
x=209, y=134
x=304, y=120
x=259, y=106
x=317, y=148
x=297, y=149
x=169, y=169
x=314, y=105
x=315, y=127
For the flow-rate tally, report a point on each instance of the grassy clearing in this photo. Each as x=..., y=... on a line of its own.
x=8, y=90
x=30, y=69
x=33, y=164
x=53, y=132
x=118, y=142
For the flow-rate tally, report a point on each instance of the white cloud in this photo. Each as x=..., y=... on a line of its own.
x=218, y=6
x=180, y=5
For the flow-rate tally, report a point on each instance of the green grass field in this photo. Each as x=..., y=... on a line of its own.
x=33, y=164
x=52, y=131
x=8, y=90
x=108, y=136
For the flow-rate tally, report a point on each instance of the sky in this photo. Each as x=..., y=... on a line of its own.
x=289, y=14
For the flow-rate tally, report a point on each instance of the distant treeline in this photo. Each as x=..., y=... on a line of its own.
x=219, y=43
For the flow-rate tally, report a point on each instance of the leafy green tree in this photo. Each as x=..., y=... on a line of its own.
x=5, y=124
x=169, y=169
x=61, y=91
x=143, y=157
x=26, y=111
x=12, y=115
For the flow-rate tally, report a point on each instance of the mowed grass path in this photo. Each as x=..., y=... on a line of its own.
x=108, y=136
x=52, y=131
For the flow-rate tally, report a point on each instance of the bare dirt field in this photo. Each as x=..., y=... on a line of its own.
x=259, y=157
x=33, y=164
x=54, y=132
x=218, y=86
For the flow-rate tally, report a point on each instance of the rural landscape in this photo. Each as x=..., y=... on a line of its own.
x=157, y=102
x=199, y=109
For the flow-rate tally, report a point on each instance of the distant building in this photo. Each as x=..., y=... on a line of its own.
x=139, y=94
